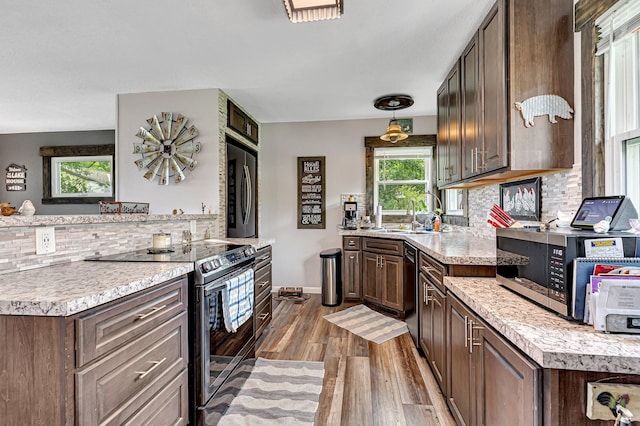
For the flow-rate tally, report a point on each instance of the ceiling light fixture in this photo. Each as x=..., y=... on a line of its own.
x=313, y=10
x=393, y=103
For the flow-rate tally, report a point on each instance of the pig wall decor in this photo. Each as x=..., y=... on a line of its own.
x=551, y=105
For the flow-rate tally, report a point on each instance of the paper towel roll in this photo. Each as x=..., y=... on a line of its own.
x=379, y=216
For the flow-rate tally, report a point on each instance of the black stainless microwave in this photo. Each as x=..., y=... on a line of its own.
x=539, y=264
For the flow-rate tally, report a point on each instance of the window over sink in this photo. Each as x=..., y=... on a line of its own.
x=390, y=187
x=401, y=175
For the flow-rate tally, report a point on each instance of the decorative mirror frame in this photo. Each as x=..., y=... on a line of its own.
x=49, y=152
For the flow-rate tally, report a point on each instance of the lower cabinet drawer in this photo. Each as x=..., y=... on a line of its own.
x=169, y=407
x=112, y=389
x=103, y=331
x=262, y=284
x=262, y=316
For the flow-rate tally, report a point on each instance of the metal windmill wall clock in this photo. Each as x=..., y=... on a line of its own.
x=168, y=148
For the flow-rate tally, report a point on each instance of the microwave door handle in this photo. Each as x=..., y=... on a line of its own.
x=247, y=210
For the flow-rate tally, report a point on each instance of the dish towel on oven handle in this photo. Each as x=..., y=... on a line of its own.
x=237, y=300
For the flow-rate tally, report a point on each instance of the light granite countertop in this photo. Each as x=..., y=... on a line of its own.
x=451, y=248
x=549, y=340
x=69, y=288
x=257, y=243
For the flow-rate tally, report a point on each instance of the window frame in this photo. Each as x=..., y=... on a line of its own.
x=49, y=152
x=372, y=142
x=377, y=182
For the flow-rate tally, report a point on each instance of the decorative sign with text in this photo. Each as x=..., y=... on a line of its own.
x=311, y=193
x=16, y=178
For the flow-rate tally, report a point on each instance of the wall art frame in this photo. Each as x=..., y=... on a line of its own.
x=522, y=199
x=311, y=193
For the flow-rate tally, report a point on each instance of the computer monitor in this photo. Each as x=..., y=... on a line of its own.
x=594, y=209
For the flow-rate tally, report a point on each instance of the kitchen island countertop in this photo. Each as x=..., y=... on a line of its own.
x=69, y=288
x=551, y=341
x=450, y=248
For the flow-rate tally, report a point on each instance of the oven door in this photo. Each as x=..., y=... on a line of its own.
x=219, y=350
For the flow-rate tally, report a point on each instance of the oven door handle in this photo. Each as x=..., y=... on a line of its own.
x=222, y=281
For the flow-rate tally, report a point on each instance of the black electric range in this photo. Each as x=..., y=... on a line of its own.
x=210, y=259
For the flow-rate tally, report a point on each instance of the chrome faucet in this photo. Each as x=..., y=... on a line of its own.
x=414, y=222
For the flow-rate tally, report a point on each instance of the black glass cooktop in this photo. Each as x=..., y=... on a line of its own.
x=193, y=252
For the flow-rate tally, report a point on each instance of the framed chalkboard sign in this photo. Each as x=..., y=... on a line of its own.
x=311, y=193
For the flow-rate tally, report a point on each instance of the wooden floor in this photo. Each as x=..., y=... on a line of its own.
x=364, y=383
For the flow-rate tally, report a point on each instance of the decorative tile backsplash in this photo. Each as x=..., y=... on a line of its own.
x=78, y=241
x=560, y=191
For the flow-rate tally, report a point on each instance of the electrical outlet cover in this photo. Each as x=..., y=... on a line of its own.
x=597, y=411
x=45, y=240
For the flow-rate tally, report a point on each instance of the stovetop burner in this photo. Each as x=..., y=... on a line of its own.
x=194, y=252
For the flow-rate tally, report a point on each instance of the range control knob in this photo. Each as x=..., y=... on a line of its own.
x=206, y=267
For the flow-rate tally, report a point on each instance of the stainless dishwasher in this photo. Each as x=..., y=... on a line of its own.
x=410, y=276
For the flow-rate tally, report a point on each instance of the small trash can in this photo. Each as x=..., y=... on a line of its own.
x=331, y=276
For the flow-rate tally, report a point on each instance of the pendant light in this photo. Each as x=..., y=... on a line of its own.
x=393, y=103
x=394, y=132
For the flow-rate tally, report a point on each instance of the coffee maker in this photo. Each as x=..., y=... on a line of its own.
x=350, y=214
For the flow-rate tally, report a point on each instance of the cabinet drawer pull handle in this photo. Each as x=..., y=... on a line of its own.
x=154, y=310
x=156, y=364
x=263, y=317
x=351, y=243
x=263, y=283
x=428, y=287
x=466, y=331
x=261, y=258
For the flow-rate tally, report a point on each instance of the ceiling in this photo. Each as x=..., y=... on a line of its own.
x=64, y=62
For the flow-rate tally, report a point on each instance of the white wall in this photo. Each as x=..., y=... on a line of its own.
x=296, y=259
x=201, y=185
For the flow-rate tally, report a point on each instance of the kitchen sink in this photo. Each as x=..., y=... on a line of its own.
x=403, y=231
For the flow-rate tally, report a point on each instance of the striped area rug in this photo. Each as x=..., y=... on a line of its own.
x=277, y=393
x=368, y=324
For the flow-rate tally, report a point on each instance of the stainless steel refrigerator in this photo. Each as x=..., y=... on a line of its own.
x=242, y=188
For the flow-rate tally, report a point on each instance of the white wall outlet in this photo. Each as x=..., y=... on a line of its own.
x=45, y=240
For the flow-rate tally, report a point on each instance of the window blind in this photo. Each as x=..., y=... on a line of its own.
x=618, y=23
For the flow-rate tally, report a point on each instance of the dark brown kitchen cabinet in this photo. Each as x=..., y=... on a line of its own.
x=508, y=382
x=239, y=121
x=491, y=152
x=382, y=273
x=432, y=322
x=470, y=110
x=448, y=145
x=351, y=268
x=124, y=362
x=263, y=284
x=489, y=381
x=461, y=395
x=521, y=50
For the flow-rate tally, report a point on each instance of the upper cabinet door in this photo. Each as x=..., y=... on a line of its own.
x=470, y=109
x=453, y=82
x=493, y=87
x=449, y=128
x=443, y=135
x=241, y=122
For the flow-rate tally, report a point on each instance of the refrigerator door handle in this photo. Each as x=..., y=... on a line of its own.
x=246, y=176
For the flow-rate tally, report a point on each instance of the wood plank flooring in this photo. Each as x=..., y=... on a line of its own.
x=364, y=383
